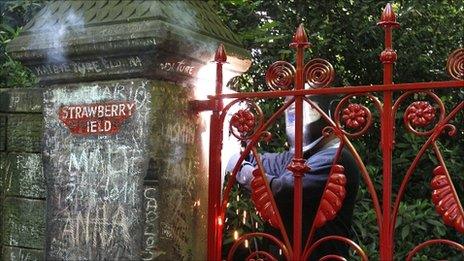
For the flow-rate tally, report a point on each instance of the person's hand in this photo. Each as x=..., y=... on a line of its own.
x=232, y=162
x=245, y=174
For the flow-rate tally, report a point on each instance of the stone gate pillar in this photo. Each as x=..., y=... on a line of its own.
x=121, y=149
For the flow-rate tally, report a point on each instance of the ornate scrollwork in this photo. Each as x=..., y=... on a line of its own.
x=269, y=237
x=388, y=56
x=445, y=199
x=354, y=119
x=355, y=247
x=261, y=198
x=245, y=122
x=260, y=255
x=280, y=75
x=428, y=243
x=332, y=258
x=319, y=73
x=455, y=64
x=421, y=114
x=355, y=116
x=333, y=196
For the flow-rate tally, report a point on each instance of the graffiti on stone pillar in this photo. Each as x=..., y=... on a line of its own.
x=94, y=175
x=96, y=118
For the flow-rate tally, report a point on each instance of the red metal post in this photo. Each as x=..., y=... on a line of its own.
x=298, y=166
x=214, y=179
x=388, y=57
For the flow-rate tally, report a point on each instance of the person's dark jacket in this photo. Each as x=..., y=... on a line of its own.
x=320, y=163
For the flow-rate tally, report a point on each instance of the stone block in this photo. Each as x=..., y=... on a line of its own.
x=24, y=176
x=3, y=161
x=2, y=132
x=21, y=100
x=2, y=174
x=22, y=254
x=24, y=132
x=23, y=222
x=176, y=159
x=95, y=180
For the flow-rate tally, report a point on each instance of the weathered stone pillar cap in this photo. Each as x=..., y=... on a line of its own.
x=64, y=32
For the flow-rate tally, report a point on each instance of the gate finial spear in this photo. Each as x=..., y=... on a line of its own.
x=220, y=56
x=388, y=23
x=388, y=17
x=300, y=38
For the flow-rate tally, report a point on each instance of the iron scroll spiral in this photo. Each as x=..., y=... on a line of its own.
x=280, y=75
x=455, y=64
x=246, y=121
x=319, y=73
x=421, y=116
x=355, y=119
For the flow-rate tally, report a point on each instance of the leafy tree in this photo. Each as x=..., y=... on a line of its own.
x=15, y=14
x=345, y=33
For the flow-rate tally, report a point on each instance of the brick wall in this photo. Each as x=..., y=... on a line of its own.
x=22, y=191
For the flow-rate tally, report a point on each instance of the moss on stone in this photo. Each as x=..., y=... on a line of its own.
x=3, y=167
x=24, y=132
x=2, y=132
x=21, y=100
x=175, y=150
x=24, y=176
x=22, y=254
x=23, y=222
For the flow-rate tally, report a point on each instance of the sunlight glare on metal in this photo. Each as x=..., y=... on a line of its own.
x=204, y=87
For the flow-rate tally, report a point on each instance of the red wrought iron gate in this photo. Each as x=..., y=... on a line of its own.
x=349, y=121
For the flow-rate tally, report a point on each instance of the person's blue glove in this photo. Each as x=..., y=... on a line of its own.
x=244, y=174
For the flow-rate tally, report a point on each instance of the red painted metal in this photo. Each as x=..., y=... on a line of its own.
x=259, y=256
x=347, y=241
x=298, y=166
x=262, y=199
x=419, y=86
x=96, y=118
x=333, y=196
x=427, y=118
x=443, y=197
x=388, y=57
x=434, y=242
x=214, y=186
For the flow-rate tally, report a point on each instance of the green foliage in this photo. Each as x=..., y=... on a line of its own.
x=417, y=222
x=345, y=33
x=241, y=218
x=15, y=14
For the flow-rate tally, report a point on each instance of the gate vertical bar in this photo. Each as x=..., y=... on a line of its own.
x=298, y=166
x=214, y=184
x=388, y=57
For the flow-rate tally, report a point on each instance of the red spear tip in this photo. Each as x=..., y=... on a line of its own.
x=220, y=56
x=300, y=37
x=388, y=17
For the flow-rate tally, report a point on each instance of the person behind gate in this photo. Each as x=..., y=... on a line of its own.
x=319, y=152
